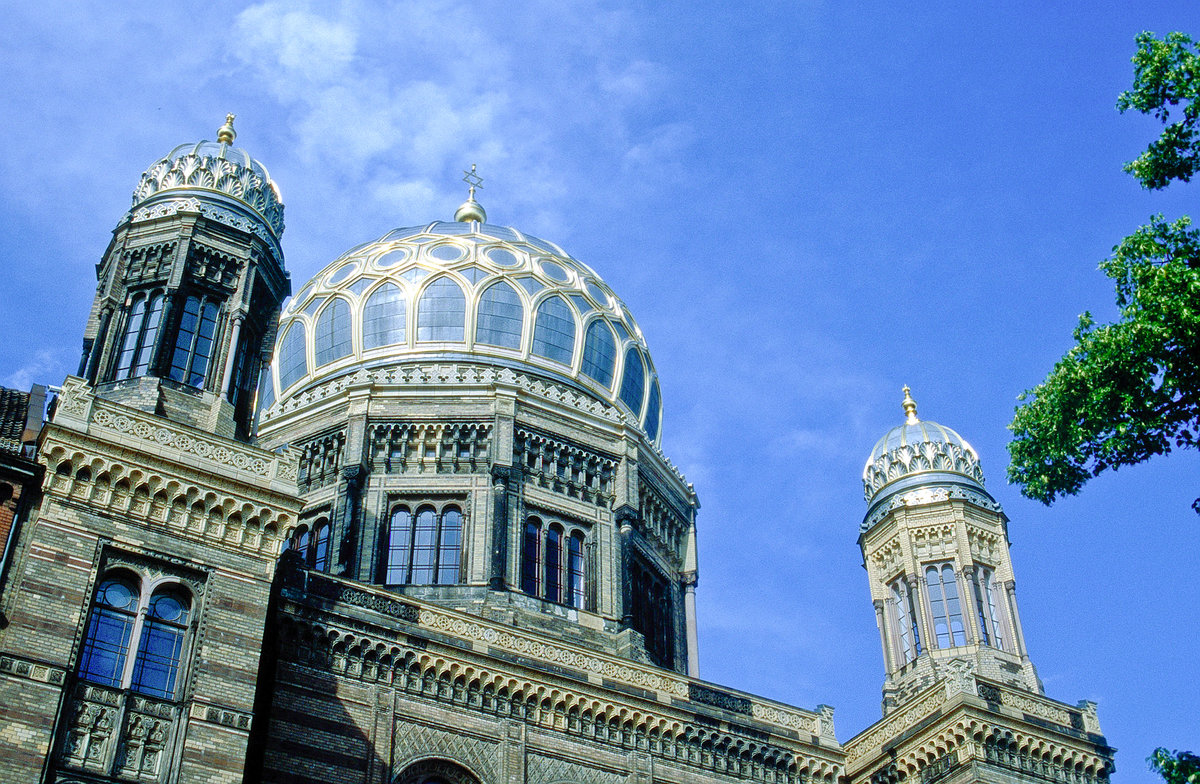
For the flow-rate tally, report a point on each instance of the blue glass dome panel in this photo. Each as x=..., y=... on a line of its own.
x=383, y=317
x=501, y=316
x=554, y=331
x=441, y=312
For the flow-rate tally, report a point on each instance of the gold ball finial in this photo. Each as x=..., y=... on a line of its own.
x=226, y=134
x=910, y=408
x=471, y=210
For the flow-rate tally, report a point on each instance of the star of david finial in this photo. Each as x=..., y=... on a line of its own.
x=473, y=180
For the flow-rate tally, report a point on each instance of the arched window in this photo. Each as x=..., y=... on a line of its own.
x=154, y=627
x=554, y=564
x=944, y=606
x=449, y=546
x=156, y=668
x=575, y=570
x=554, y=331
x=399, y=540
x=293, y=356
x=653, y=410
x=987, y=607
x=333, y=333
x=141, y=332
x=194, y=341
x=383, y=317
x=531, y=556
x=106, y=645
x=653, y=613
x=906, y=624
x=501, y=316
x=425, y=549
x=441, y=311
x=320, y=547
x=599, y=352
x=633, y=382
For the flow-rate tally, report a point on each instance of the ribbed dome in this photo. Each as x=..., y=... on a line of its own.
x=466, y=292
x=919, y=453
x=215, y=167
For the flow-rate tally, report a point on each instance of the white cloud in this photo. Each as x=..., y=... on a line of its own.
x=44, y=367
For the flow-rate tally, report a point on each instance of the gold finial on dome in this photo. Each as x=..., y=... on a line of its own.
x=910, y=408
x=226, y=134
x=471, y=210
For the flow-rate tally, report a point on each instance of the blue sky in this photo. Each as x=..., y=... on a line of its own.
x=806, y=205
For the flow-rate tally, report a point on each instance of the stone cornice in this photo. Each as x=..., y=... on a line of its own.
x=662, y=687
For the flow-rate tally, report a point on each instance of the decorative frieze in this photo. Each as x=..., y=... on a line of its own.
x=659, y=521
x=114, y=732
x=32, y=670
x=429, y=447
x=564, y=467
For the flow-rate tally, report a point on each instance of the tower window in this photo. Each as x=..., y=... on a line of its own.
x=424, y=549
x=905, y=621
x=944, y=606
x=194, y=341
x=312, y=545
x=141, y=332
x=552, y=563
x=123, y=613
x=653, y=613
x=987, y=607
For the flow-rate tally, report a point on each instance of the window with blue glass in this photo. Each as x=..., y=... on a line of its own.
x=194, y=341
x=425, y=547
x=599, y=352
x=333, y=338
x=554, y=331
x=140, y=336
x=293, y=356
x=312, y=544
x=135, y=638
x=501, y=316
x=944, y=606
x=906, y=629
x=441, y=312
x=633, y=382
x=552, y=562
x=383, y=317
x=653, y=411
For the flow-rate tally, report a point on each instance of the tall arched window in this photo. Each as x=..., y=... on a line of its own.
x=944, y=606
x=441, y=312
x=987, y=607
x=599, y=352
x=554, y=331
x=575, y=570
x=383, y=317
x=293, y=356
x=141, y=332
x=154, y=627
x=633, y=382
x=554, y=564
x=424, y=549
x=156, y=668
x=501, y=316
x=904, y=616
x=194, y=341
x=531, y=556
x=320, y=547
x=106, y=645
x=399, y=540
x=333, y=338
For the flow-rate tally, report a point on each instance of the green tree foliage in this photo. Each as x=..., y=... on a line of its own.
x=1176, y=767
x=1131, y=389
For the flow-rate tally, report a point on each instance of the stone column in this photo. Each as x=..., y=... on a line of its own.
x=966, y=604
x=1010, y=596
x=884, y=635
x=625, y=518
x=502, y=478
x=235, y=332
x=689, y=580
x=919, y=605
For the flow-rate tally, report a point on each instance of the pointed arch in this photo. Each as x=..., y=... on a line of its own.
x=501, y=317
x=441, y=311
x=554, y=331
x=384, y=316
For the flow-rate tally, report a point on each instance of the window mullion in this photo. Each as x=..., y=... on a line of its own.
x=135, y=641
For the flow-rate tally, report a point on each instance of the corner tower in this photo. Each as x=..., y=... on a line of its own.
x=935, y=546
x=961, y=699
x=189, y=288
